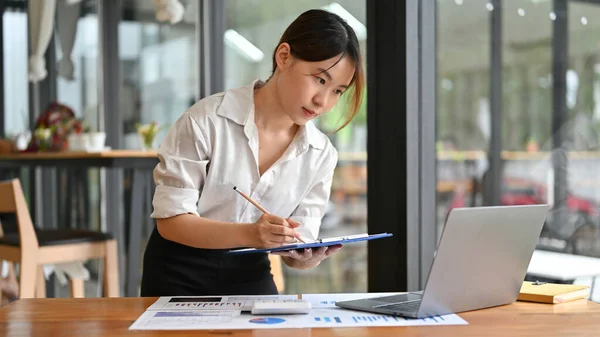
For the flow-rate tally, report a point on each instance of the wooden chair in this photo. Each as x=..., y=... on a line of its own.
x=32, y=248
x=277, y=271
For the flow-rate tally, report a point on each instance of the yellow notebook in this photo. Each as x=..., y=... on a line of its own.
x=552, y=293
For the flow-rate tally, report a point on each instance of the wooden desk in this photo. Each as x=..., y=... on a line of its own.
x=113, y=316
x=141, y=162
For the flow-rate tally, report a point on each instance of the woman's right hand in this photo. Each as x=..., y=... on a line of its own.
x=271, y=231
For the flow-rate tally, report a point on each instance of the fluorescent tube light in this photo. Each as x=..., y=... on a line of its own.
x=243, y=46
x=359, y=28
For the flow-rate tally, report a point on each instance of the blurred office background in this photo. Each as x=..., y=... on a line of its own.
x=498, y=122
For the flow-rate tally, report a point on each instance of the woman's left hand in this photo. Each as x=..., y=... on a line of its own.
x=309, y=257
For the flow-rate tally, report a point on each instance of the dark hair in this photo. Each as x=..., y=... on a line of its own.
x=318, y=35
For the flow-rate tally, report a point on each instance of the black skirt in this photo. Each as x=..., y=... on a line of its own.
x=173, y=269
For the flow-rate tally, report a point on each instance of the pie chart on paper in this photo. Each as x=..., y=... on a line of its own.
x=267, y=320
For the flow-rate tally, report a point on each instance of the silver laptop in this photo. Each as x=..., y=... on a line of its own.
x=481, y=262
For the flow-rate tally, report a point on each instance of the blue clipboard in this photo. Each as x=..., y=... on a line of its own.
x=319, y=243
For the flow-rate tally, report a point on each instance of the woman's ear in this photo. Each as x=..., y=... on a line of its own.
x=283, y=56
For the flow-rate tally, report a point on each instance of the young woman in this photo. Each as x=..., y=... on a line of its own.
x=259, y=138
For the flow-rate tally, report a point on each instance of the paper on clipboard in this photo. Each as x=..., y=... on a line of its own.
x=318, y=243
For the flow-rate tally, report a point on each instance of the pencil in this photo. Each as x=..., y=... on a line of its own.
x=257, y=205
x=251, y=201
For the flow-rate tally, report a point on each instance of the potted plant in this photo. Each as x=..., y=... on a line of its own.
x=42, y=137
x=147, y=134
x=532, y=145
x=52, y=129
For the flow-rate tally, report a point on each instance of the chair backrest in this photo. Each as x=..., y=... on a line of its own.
x=7, y=202
x=12, y=200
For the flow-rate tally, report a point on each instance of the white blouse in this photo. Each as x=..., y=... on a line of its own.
x=213, y=147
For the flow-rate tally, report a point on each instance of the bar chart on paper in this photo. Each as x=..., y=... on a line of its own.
x=326, y=314
x=359, y=319
x=328, y=319
x=345, y=319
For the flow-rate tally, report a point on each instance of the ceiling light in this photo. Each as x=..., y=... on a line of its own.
x=552, y=16
x=243, y=46
x=359, y=28
x=489, y=6
x=521, y=12
x=447, y=84
x=583, y=20
x=458, y=2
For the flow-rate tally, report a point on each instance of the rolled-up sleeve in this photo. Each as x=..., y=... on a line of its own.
x=311, y=209
x=181, y=171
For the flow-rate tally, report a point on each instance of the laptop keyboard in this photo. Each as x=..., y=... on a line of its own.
x=404, y=302
x=404, y=306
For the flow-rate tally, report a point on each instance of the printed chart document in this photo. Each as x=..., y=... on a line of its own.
x=243, y=303
x=183, y=320
x=230, y=313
